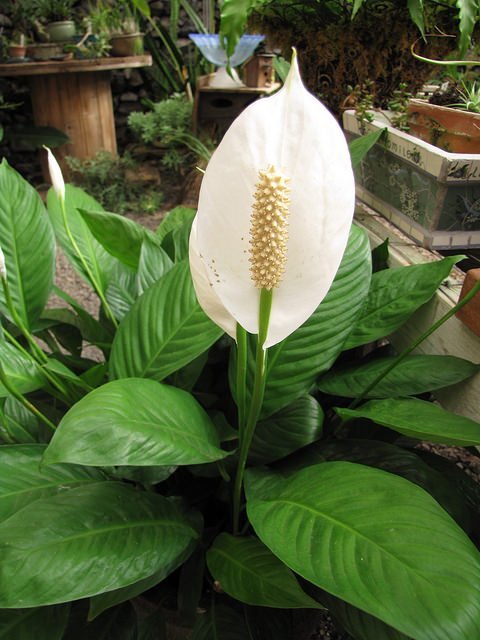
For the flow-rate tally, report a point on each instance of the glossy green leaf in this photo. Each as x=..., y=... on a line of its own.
x=249, y=572
x=419, y=419
x=152, y=265
x=45, y=623
x=414, y=375
x=394, y=295
x=135, y=421
x=99, y=262
x=17, y=424
x=122, y=290
x=28, y=243
x=177, y=217
x=22, y=372
x=176, y=242
x=289, y=429
x=375, y=540
x=402, y=462
x=359, y=147
x=294, y=364
x=119, y=236
x=24, y=481
x=104, y=601
x=158, y=337
x=86, y=541
x=357, y=623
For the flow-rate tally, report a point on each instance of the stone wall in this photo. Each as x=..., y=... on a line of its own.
x=129, y=87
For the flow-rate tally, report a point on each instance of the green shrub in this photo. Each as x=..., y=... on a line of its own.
x=106, y=178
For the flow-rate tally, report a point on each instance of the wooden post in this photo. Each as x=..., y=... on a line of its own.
x=81, y=106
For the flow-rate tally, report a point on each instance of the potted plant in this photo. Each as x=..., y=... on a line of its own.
x=126, y=490
x=17, y=48
x=423, y=173
x=57, y=15
x=126, y=39
x=450, y=118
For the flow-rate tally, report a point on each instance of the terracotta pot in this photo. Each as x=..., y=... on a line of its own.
x=17, y=51
x=127, y=44
x=61, y=31
x=450, y=129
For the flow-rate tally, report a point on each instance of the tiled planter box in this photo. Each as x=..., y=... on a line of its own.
x=432, y=195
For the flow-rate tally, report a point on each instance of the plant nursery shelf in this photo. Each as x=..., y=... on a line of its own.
x=452, y=338
x=75, y=96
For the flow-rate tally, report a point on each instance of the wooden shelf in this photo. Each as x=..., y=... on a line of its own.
x=54, y=67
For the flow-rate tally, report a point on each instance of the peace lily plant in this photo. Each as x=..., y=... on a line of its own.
x=232, y=465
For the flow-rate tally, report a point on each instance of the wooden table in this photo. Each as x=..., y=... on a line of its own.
x=75, y=96
x=219, y=106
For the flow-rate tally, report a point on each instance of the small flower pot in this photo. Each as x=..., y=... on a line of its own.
x=62, y=31
x=17, y=51
x=127, y=44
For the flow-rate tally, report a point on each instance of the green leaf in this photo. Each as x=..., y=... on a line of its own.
x=415, y=9
x=399, y=461
x=24, y=481
x=152, y=265
x=28, y=243
x=46, y=623
x=176, y=242
x=394, y=295
x=413, y=375
x=375, y=540
x=17, y=424
x=158, y=337
x=293, y=427
x=356, y=6
x=104, y=601
x=467, y=14
x=86, y=541
x=233, y=22
x=36, y=136
x=23, y=373
x=122, y=290
x=249, y=572
x=177, y=217
x=119, y=236
x=119, y=623
x=357, y=623
x=419, y=419
x=135, y=422
x=294, y=364
x=359, y=147
x=99, y=262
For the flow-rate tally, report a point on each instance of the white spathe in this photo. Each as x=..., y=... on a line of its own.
x=56, y=175
x=293, y=132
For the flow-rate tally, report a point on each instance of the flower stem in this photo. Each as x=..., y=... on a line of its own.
x=241, y=379
x=37, y=352
x=473, y=291
x=84, y=263
x=26, y=403
x=246, y=433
